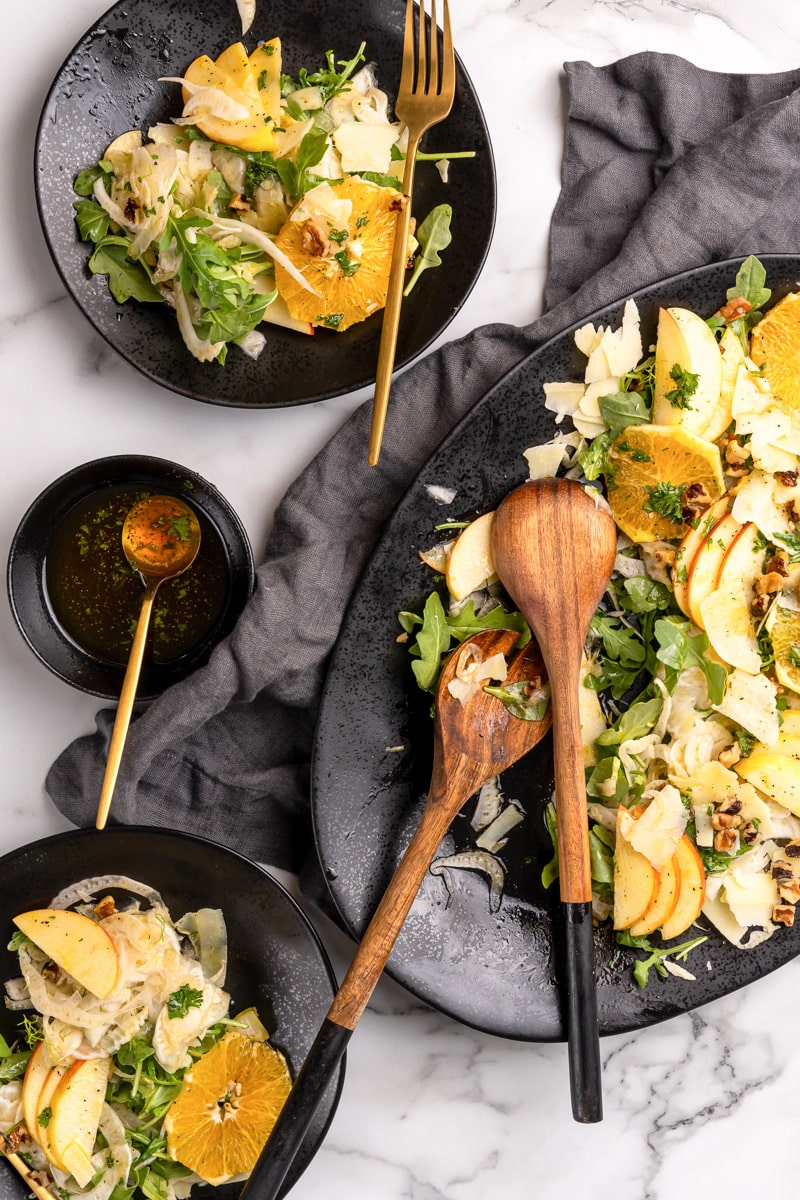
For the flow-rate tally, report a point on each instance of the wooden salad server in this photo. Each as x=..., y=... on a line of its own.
x=553, y=549
x=472, y=742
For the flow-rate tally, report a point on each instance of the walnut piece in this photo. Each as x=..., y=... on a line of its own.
x=725, y=840
x=783, y=914
x=314, y=239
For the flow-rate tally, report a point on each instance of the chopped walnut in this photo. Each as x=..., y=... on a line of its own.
x=105, y=907
x=131, y=208
x=736, y=453
x=41, y=1177
x=749, y=834
x=781, y=871
x=721, y=820
x=731, y=804
x=17, y=1138
x=51, y=971
x=696, y=500
x=737, y=307
x=760, y=606
x=789, y=892
x=792, y=510
x=731, y=755
x=314, y=239
x=779, y=562
x=663, y=554
x=725, y=840
x=238, y=203
x=783, y=914
x=769, y=583
x=792, y=849
x=787, y=478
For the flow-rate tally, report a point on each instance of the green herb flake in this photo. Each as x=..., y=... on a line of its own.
x=666, y=500
x=685, y=386
x=180, y=1001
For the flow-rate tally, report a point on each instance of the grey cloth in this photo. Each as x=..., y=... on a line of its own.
x=665, y=167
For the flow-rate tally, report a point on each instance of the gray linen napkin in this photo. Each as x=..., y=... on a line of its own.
x=665, y=167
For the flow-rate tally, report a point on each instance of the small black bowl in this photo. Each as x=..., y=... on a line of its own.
x=32, y=605
x=276, y=961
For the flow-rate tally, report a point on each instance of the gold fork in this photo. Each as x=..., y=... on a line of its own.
x=424, y=98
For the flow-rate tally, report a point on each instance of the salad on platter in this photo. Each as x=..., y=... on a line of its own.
x=268, y=198
x=129, y=1076
x=690, y=681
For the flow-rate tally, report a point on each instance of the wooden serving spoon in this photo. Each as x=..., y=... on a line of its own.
x=160, y=539
x=472, y=742
x=554, y=551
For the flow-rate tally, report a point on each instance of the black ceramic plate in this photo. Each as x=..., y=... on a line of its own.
x=497, y=972
x=29, y=548
x=109, y=84
x=275, y=959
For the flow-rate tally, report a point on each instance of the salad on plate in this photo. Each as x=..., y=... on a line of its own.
x=267, y=198
x=690, y=682
x=129, y=1075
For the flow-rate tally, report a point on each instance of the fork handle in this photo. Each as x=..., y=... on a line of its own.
x=391, y=315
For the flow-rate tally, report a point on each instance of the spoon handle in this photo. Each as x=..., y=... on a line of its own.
x=575, y=881
x=127, y=698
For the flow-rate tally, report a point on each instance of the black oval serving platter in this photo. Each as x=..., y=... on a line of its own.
x=276, y=962
x=495, y=971
x=109, y=84
x=27, y=588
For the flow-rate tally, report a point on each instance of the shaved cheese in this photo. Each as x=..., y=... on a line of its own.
x=749, y=394
x=442, y=495
x=656, y=833
x=751, y=701
x=562, y=398
x=322, y=203
x=544, y=460
x=592, y=718
x=623, y=346
x=587, y=338
x=766, y=430
x=750, y=897
x=704, y=830
x=756, y=501
x=365, y=147
x=717, y=912
x=472, y=670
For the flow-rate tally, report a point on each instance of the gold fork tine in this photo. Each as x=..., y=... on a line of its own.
x=423, y=99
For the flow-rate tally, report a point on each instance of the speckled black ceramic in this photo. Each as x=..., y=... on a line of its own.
x=275, y=959
x=109, y=84
x=494, y=971
x=29, y=548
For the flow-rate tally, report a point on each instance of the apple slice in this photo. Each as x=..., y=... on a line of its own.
x=266, y=63
x=470, y=565
x=277, y=313
x=704, y=571
x=686, y=342
x=789, y=734
x=692, y=892
x=75, y=943
x=725, y=612
x=44, y=1111
x=37, y=1070
x=663, y=902
x=689, y=547
x=76, y=1107
x=777, y=775
x=635, y=881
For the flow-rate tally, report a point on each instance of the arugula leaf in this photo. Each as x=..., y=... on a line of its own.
x=619, y=410
x=620, y=642
x=390, y=181
x=18, y=939
x=328, y=79
x=438, y=630
x=126, y=279
x=516, y=698
x=601, y=858
x=608, y=775
x=84, y=180
x=643, y=594
x=12, y=1066
x=750, y=280
x=635, y=722
x=594, y=459
x=677, y=651
x=294, y=173
x=550, y=869
x=655, y=959
x=433, y=235
x=92, y=220
x=180, y=1001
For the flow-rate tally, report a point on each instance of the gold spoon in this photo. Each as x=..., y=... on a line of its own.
x=554, y=551
x=160, y=539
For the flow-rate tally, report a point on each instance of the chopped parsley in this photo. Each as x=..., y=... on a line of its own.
x=685, y=386
x=331, y=321
x=348, y=265
x=666, y=500
x=179, y=1002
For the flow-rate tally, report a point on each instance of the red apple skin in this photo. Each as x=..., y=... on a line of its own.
x=692, y=892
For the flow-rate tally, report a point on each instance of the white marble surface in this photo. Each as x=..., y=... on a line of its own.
x=431, y=1110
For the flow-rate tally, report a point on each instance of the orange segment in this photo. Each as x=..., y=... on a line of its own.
x=650, y=468
x=227, y=1107
x=783, y=625
x=775, y=347
x=345, y=296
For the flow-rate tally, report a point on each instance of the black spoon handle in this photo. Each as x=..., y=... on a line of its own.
x=297, y=1113
x=585, y=1070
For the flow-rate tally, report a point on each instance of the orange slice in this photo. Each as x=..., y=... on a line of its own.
x=344, y=296
x=227, y=1107
x=650, y=468
x=775, y=347
x=783, y=625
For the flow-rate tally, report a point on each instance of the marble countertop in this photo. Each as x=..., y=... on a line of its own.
x=431, y=1110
